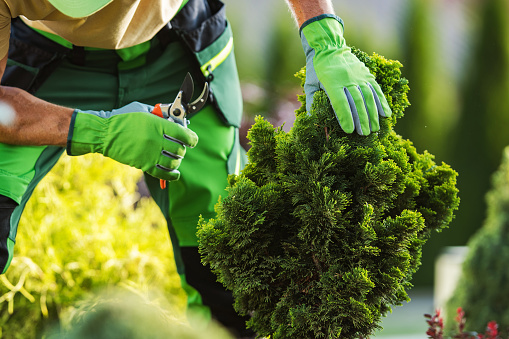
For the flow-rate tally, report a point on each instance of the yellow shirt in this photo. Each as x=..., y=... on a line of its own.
x=120, y=24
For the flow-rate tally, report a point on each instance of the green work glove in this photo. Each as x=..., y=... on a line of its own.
x=353, y=91
x=132, y=136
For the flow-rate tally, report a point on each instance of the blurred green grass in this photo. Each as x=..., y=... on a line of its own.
x=85, y=229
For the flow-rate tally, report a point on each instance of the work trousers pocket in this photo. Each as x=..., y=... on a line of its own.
x=211, y=43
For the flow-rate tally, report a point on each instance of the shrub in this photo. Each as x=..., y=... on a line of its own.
x=321, y=232
x=84, y=229
x=481, y=290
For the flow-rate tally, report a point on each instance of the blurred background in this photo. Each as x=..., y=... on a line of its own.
x=455, y=54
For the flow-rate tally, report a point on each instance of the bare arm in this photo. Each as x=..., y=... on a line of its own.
x=303, y=10
x=37, y=122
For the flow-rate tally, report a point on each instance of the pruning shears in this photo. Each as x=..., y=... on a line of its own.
x=182, y=107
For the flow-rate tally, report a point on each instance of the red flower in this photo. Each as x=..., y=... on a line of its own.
x=460, y=319
x=436, y=325
x=460, y=314
x=492, y=330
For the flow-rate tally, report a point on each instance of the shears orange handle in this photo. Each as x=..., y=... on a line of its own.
x=180, y=108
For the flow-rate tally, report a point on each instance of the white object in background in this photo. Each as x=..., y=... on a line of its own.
x=448, y=268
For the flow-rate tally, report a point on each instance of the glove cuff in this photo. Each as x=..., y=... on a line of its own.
x=71, y=132
x=86, y=133
x=320, y=17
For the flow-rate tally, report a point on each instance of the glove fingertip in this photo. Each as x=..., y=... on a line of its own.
x=375, y=126
x=173, y=175
x=360, y=131
x=359, y=120
x=380, y=100
x=347, y=125
x=387, y=111
x=345, y=121
x=347, y=128
x=193, y=141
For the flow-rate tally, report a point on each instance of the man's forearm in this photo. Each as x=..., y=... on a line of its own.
x=303, y=10
x=36, y=122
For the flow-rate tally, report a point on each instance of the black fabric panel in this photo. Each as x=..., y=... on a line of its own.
x=200, y=23
x=7, y=206
x=33, y=58
x=213, y=293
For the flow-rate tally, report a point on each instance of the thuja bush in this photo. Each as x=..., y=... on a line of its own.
x=481, y=290
x=85, y=229
x=320, y=234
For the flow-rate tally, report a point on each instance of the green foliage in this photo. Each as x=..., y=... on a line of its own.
x=132, y=314
x=84, y=229
x=322, y=231
x=481, y=290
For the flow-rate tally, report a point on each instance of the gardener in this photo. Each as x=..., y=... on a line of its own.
x=79, y=76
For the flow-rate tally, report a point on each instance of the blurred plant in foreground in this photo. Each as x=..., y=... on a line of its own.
x=130, y=313
x=84, y=229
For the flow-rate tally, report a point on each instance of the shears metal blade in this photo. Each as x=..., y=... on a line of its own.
x=182, y=107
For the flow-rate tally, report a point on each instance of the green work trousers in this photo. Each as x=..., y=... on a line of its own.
x=105, y=82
